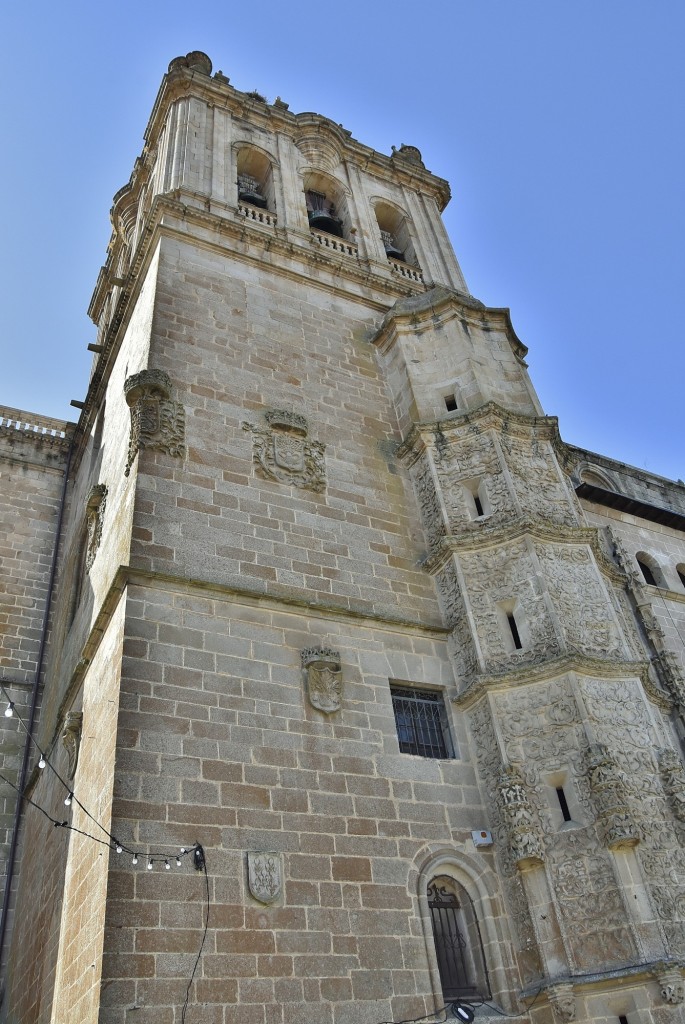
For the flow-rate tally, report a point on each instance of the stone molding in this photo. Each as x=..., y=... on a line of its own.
x=157, y=422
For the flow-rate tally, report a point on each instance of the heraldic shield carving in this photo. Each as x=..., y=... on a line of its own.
x=282, y=451
x=324, y=678
x=156, y=420
x=264, y=876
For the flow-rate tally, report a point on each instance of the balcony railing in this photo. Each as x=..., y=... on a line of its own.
x=254, y=213
x=406, y=270
x=337, y=244
x=31, y=422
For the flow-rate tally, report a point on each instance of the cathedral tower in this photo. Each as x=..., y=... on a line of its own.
x=336, y=602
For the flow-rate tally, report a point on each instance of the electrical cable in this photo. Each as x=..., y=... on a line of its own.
x=200, y=865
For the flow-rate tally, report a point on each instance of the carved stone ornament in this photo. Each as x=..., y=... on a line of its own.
x=409, y=153
x=672, y=985
x=611, y=799
x=282, y=451
x=525, y=839
x=71, y=738
x=563, y=1002
x=324, y=678
x=95, y=517
x=157, y=421
x=672, y=772
x=264, y=876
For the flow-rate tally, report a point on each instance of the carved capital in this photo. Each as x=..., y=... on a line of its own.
x=157, y=421
x=671, y=982
x=525, y=836
x=563, y=1002
x=71, y=738
x=611, y=799
x=323, y=675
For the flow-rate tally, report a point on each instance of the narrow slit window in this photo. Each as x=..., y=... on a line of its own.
x=479, y=505
x=514, y=631
x=563, y=804
x=450, y=403
x=622, y=1019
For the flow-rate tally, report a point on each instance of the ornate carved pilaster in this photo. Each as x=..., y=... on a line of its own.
x=611, y=799
x=71, y=738
x=672, y=772
x=95, y=516
x=157, y=421
x=283, y=451
x=324, y=678
x=525, y=837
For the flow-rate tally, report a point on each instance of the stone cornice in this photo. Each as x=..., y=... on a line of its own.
x=558, y=665
x=481, y=536
x=488, y=415
x=611, y=978
x=419, y=313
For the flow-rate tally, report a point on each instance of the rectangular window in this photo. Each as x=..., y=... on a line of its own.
x=421, y=722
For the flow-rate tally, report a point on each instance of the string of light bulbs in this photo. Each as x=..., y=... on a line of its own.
x=111, y=842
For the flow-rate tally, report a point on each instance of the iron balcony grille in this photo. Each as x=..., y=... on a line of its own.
x=421, y=723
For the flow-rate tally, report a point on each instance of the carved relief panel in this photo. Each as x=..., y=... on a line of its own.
x=95, y=517
x=537, y=480
x=265, y=876
x=157, y=422
x=284, y=452
x=323, y=676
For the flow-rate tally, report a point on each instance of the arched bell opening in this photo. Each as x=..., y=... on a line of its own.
x=395, y=234
x=255, y=179
x=326, y=205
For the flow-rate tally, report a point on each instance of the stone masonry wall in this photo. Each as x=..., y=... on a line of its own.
x=219, y=744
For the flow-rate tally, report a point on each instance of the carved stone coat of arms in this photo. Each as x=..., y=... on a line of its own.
x=283, y=451
x=324, y=678
x=264, y=876
x=157, y=421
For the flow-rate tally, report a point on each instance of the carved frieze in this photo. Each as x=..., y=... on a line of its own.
x=537, y=480
x=323, y=675
x=157, y=421
x=95, y=517
x=284, y=452
x=611, y=799
x=265, y=876
x=71, y=739
x=525, y=837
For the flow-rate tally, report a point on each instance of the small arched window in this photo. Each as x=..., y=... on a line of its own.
x=458, y=942
x=650, y=569
x=395, y=234
x=255, y=179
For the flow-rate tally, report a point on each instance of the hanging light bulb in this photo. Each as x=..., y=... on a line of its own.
x=167, y=865
x=178, y=862
x=9, y=710
x=118, y=847
x=68, y=799
x=183, y=850
x=149, y=864
x=134, y=858
x=42, y=762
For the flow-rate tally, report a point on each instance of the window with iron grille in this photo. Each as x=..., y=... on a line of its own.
x=458, y=943
x=421, y=722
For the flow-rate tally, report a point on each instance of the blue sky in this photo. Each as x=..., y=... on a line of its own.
x=558, y=125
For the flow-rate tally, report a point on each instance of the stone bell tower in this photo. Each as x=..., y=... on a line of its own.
x=338, y=603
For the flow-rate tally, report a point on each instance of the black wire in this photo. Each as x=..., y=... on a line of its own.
x=417, y=1020
x=201, y=853
x=503, y=1014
